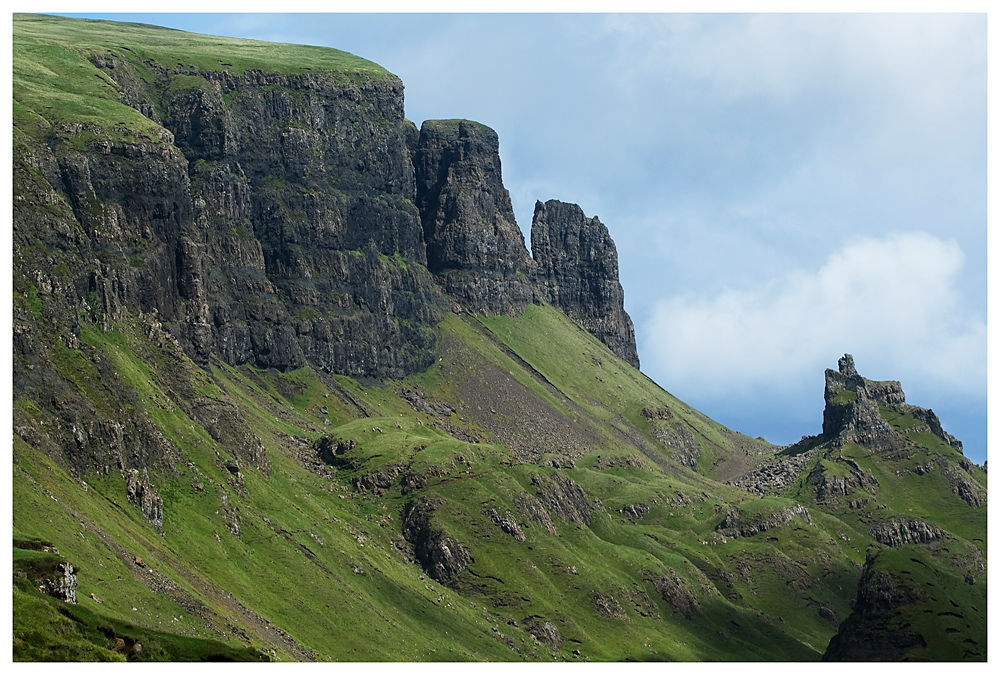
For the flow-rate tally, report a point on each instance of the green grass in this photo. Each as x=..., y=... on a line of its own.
x=314, y=555
x=56, y=85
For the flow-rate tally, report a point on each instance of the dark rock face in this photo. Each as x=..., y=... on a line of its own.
x=563, y=497
x=851, y=414
x=274, y=220
x=531, y=509
x=869, y=633
x=676, y=594
x=473, y=244
x=274, y=226
x=577, y=271
x=440, y=555
x=852, y=410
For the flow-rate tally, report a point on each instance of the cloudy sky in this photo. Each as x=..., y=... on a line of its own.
x=782, y=189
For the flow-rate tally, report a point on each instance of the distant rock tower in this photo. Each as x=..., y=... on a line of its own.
x=577, y=272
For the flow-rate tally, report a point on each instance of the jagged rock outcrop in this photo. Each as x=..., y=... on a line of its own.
x=577, y=271
x=896, y=532
x=474, y=246
x=675, y=593
x=506, y=522
x=738, y=523
x=440, y=555
x=142, y=495
x=271, y=222
x=851, y=414
x=928, y=416
x=852, y=410
x=563, y=497
x=61, y=583
x=775, y=476
x=832, y=485
x=869, y=633
x=543, y=631
x=531, y=509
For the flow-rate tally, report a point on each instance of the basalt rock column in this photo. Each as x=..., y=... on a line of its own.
x=577, y=271
x=473, y=244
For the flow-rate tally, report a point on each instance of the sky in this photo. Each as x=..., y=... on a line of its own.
x=782, y=189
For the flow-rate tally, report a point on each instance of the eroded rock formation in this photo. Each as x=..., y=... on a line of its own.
x=578, y=273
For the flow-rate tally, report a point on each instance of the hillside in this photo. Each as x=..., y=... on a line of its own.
x=289, y=386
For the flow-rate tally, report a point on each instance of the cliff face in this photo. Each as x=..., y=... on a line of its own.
x=852, y=407
x=578, y=273
x=473, y=243
x=278, y=219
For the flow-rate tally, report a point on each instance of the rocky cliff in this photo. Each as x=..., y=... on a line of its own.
x=276, y=218
x=578, y=273
x=196, y=217
x=852, y=413
x=473, y=244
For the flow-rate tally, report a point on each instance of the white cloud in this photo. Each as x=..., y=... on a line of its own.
x=891, y=302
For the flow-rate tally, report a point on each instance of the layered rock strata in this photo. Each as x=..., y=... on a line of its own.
x=577, y=271
x=474, y=245
x=273, y=220
x=852, y=413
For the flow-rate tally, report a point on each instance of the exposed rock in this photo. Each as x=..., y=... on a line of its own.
x=897, y=531
x=852, y=413
x=675, y=593
x=679, y=437
x=657, y=413
x=607, y=606
x=563, y=497
x=531, y=509
x=625, y=462
x=775, y=476
x=869, y=633
x=440, y=555
x=737, y=523
x=634, y=511
x=377, y=482
x=507, y=523
x=934, y=425
x=61, y=582
x=421, y=404
x=230, y=516
x=544, y=631
x=142, y=495
x=577, y=271
x=474, y=245
x=965, y=487
x=831, y=487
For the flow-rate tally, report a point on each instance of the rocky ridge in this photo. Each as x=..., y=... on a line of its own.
x=279, y=220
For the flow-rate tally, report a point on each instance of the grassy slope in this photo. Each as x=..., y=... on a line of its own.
x=304, y=534
x=318, y=569
x=56, y=85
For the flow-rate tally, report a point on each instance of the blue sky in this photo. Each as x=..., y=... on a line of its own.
x=782, y=189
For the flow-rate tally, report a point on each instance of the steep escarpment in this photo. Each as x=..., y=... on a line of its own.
x=578, y=273
x=278, y=219
x=473, y=244
x=288, y=385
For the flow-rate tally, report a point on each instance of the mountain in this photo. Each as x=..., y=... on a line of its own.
x=287, y=385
